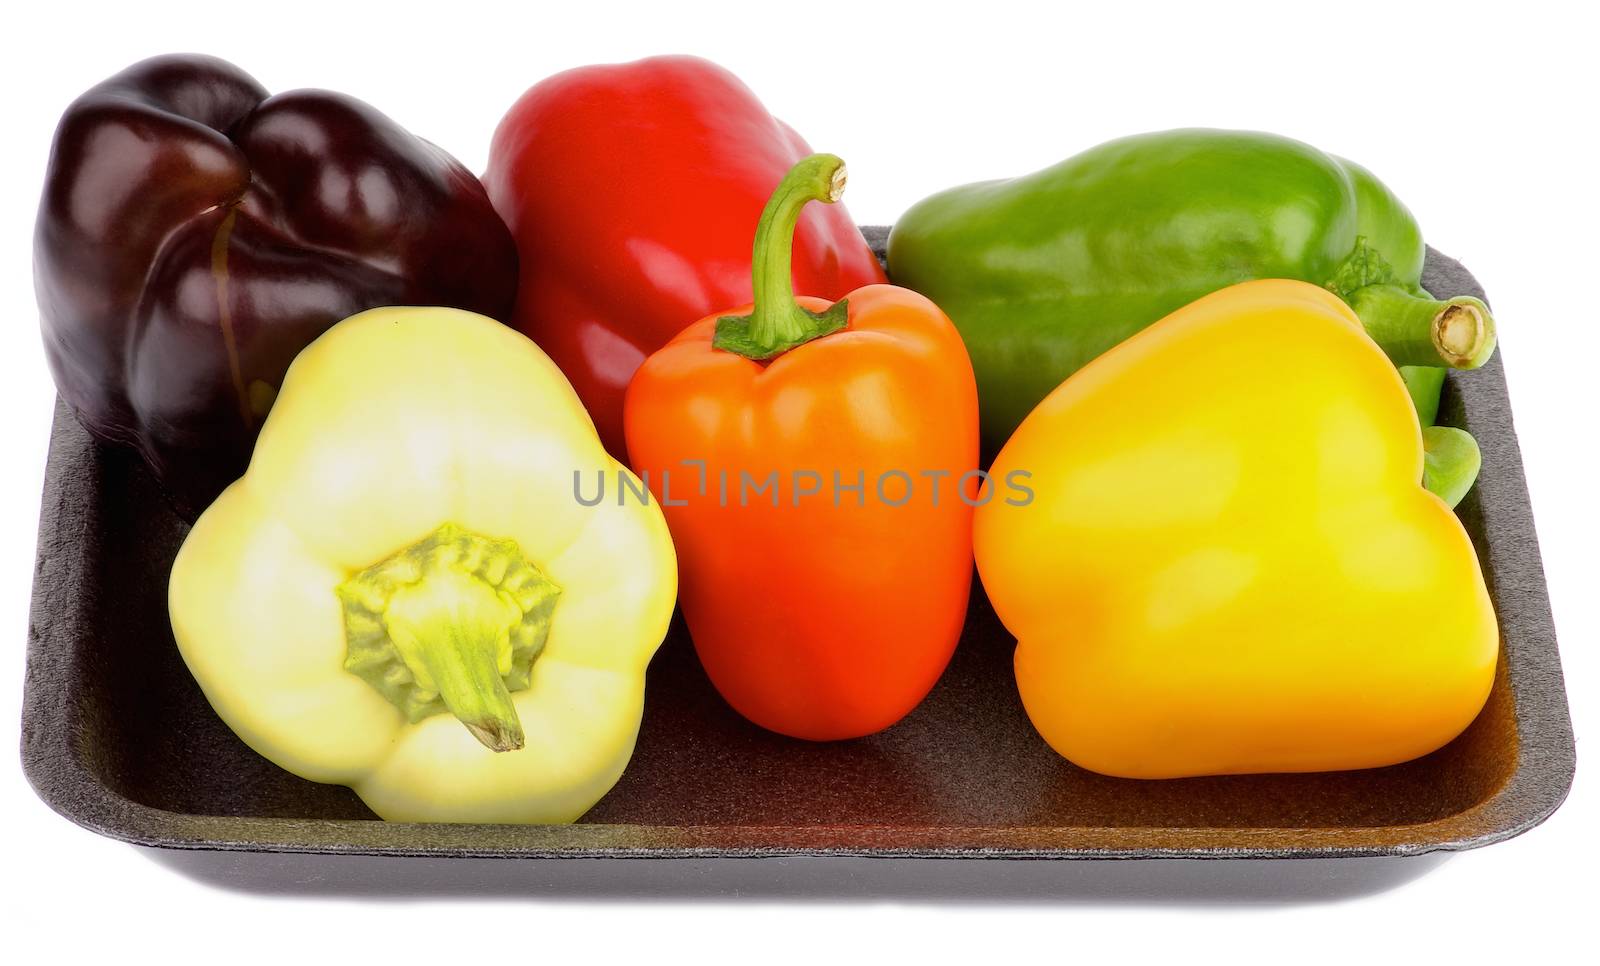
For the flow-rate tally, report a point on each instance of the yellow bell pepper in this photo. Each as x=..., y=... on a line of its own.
x=1228, y=563
x=403, y=594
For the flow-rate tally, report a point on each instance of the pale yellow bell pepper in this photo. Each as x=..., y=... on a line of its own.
x=403, y=593
x=1228, y=562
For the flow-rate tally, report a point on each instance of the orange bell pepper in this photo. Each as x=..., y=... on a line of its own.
x=817, y=465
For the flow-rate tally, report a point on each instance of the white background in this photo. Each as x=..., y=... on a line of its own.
x=1483, y=121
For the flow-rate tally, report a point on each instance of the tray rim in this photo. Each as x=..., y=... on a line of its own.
x=1539, y=782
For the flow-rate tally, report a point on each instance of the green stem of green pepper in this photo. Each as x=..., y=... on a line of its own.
x=1425, y=384
x=1450, y=462
x=776, y=322
x=1418, y=331
x=1450, y=456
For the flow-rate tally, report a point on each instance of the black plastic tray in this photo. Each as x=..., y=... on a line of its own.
x=117, y=737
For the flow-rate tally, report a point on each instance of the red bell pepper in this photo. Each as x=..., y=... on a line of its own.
x=632, y=190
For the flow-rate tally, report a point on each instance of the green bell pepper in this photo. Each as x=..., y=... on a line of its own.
x=1045, y=272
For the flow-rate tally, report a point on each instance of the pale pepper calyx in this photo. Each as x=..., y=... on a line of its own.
x=451, y=623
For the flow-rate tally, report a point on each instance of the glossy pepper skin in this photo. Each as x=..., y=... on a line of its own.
x=1045, y=272
x=195, y=234
x=631, y=189
x=1225, y=571
x=818, y=612
x=401, y=594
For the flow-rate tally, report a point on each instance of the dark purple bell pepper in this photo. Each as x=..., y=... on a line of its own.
x=195, y=234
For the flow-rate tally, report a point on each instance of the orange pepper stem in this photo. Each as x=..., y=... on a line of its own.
x=777, y=323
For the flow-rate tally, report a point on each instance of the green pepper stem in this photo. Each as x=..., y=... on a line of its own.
x=452, y=629
x=1450, y=462
x=1418, y=331
x=1425, y=384
x=776, y=322
x=1450, y=456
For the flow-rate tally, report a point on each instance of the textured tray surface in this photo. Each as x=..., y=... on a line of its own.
x=117, y=736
